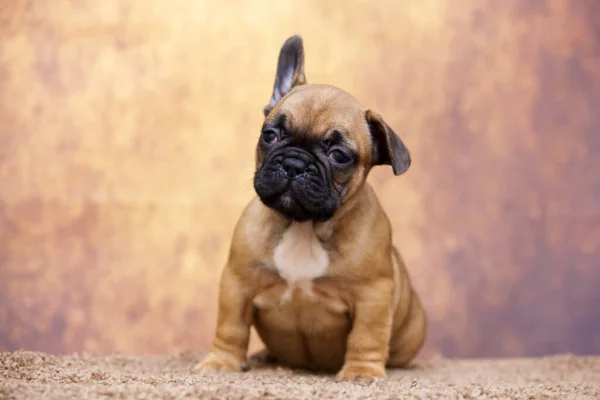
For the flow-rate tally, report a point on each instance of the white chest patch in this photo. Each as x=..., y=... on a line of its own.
x=299, y=256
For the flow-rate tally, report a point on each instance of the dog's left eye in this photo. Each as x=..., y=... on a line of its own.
x=339, y=157
x=269, y=137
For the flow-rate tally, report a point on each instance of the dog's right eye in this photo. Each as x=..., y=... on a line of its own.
x=269, y=137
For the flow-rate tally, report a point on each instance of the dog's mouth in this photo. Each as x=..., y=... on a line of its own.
x=288, y=205
x=294, y=184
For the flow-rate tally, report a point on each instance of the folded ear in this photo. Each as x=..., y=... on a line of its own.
x=388, y=149
x=290, y=70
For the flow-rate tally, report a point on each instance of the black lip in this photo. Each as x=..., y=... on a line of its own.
x=297, y=213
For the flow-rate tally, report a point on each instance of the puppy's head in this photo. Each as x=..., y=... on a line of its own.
x=317, y=144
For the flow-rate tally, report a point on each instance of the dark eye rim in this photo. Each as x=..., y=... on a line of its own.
x=273, y=132
x=349, y=157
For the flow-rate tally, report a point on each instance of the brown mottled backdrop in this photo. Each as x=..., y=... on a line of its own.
x=127, y=131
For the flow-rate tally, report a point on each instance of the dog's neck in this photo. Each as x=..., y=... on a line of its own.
x=299, y=255
x=305, y=249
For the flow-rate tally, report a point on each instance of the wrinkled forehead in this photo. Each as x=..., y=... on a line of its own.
x=315, y=111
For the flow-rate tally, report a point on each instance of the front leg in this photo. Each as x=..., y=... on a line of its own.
x=368, y=342
x=230, y=345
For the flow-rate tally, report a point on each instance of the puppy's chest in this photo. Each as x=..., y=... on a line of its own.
x=296, y=300
x=299, y=256
x=299, y=259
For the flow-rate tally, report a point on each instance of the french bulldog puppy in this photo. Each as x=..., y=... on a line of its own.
x=312, y=265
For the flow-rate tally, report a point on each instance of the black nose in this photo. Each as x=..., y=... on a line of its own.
x=294, y=166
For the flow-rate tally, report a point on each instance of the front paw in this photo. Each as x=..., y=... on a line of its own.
x=361, y=371
x=220, y=362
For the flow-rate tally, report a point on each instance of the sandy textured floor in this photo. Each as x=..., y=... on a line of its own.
x=29, y=375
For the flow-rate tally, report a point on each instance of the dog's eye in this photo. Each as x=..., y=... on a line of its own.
x=269, y=137
x=339, y=157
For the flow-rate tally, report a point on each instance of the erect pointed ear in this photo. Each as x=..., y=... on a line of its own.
x=388, y=149
x=290, y=70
